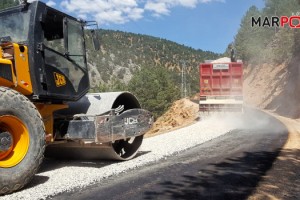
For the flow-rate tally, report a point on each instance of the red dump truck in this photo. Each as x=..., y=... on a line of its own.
x=221, y=86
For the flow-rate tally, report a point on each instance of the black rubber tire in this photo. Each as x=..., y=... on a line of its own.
x=15, y=104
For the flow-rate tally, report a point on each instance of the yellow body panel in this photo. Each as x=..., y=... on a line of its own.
x=17, y=57
x=46, y=111
x=24, y=84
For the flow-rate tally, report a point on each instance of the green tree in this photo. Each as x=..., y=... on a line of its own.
x=8, y=3
x=249, y=40
x=281, y=7
x=155, y=89
x=267, y=44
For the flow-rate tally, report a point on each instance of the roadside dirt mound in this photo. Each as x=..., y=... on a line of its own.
x=181, y=113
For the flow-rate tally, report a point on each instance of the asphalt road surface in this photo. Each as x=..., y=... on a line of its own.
x=228, y=167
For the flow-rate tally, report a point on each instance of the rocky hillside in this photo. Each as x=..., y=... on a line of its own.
x=274, y=87
x=122, y=53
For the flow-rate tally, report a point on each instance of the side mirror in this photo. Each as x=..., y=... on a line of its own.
x=94, y=32
x=96, y=42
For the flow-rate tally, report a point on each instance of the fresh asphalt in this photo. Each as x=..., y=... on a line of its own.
x=228, y=167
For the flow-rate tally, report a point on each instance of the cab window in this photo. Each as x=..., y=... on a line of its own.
x=64, y=48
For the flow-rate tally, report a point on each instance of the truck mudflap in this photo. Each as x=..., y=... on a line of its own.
x=130, y=123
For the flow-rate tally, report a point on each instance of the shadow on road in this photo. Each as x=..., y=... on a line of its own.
x=37, y=180
x=282, y=182
x=235, y=178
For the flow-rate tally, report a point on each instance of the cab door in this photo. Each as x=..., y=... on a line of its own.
x=64, y=55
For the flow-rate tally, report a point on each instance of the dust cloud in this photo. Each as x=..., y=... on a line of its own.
x=249, y=119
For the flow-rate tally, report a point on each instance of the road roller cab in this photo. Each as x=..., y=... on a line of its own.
x=44, y=102
x=45, y=50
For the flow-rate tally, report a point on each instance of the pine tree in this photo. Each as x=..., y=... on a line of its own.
x=155, y=89
x=8, y=3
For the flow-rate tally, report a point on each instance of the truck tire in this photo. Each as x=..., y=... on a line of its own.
x=22, y=140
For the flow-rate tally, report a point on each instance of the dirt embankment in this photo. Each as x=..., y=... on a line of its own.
x=182, y=112
x=274, y=87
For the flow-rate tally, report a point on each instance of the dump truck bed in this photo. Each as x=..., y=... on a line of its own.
x=221, y=86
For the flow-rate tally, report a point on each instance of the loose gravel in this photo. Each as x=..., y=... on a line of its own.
x=64, y=176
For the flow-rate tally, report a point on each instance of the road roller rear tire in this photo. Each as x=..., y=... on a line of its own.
x=20, y=123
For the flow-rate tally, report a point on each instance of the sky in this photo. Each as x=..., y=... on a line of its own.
x=209, y=25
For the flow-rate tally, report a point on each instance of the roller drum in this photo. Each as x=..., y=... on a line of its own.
x=119, y=126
